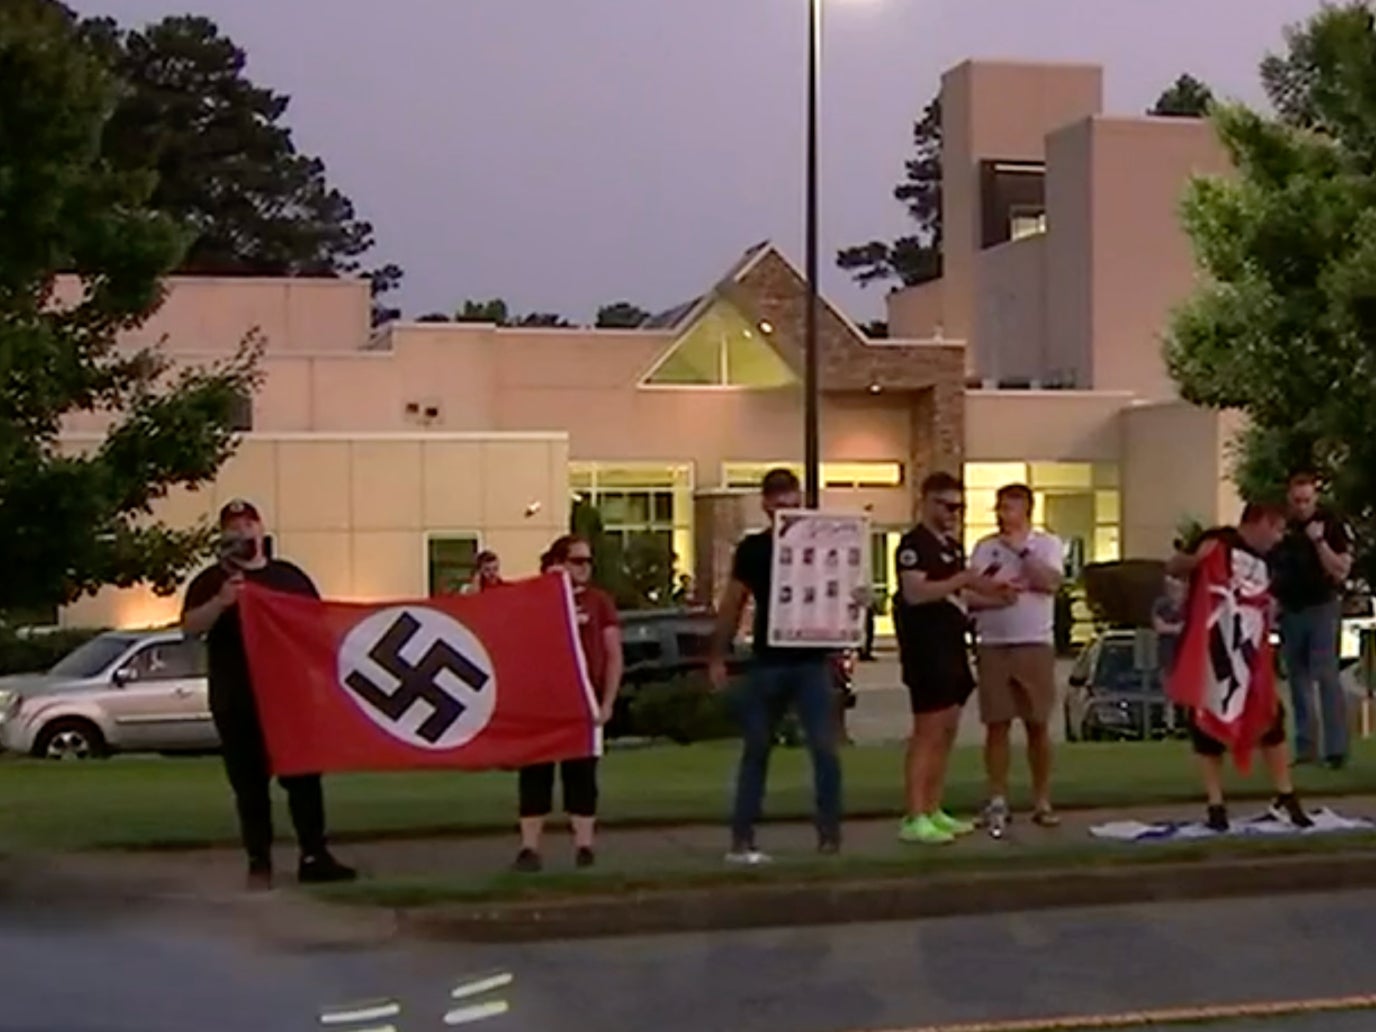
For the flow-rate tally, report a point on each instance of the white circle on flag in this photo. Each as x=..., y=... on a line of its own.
x=420, y=675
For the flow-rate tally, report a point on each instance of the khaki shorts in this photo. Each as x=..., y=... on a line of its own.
x=1016, y=682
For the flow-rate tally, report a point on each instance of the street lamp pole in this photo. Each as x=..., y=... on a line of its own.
x=811, y=439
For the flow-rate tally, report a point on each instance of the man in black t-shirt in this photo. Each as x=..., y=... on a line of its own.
x=779, y=678
x=211, y=609
x=1247, y=547
x=1311, y=564
x=932, y=622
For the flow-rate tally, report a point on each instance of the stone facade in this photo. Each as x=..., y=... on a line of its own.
x=931, y=375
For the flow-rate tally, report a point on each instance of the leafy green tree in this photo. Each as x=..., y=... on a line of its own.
x=1187, y=97
x=72, y=521
x=227, y=166
x=1284, y=326
x=621, y=315
x=493, y=310
x=916, y=257
x=549, y=319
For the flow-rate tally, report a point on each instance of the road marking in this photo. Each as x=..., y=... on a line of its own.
x=480, y=985
x=1171, y=1016
x=347, y=1014
x=477, y=1012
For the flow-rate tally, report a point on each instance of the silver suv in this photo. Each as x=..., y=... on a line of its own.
x=122, y=691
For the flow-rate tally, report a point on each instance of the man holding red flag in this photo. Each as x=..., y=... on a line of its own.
x=1224, y=670
x=211, y=608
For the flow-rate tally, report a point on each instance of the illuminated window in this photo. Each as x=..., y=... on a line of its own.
x=722, y=349
x=835, y=475
x=642, y=506
x=994, y=474
x=1025, y=223
x=1080, y=502
x=451, y=561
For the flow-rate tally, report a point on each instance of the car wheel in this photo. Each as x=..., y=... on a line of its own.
x=70, y=738
x=1071, y=735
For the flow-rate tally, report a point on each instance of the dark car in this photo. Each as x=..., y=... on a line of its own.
x=1115, y=693
x=662, y=645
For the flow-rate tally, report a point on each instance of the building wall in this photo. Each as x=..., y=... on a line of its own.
x=990, y=111
x=1052, y=426
x=1175, y=468
x=1011, y=310
x=915, y=313
x=1070, y=255
x=214, y=313
x=355, y=511
x=1143, y=265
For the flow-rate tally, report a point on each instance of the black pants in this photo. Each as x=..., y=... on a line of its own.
x=246, y=764
x=536, y=788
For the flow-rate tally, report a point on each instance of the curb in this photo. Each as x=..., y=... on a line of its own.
x=889, y=899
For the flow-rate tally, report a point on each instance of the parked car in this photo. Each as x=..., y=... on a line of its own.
x=1109, y=698
x=122, y=691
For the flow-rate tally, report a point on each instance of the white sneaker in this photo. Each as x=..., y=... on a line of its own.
x=747, y=857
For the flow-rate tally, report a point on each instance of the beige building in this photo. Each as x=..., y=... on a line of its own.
x=384, y=460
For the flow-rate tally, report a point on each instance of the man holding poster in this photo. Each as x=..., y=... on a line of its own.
x=795, y=674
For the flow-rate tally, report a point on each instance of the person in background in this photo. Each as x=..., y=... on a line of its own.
x=1168, y=621
x=1017, y=651
x=488, y=574
x=1310, y=566
x=210, y=609
x=1256, y=535
x=867, y=651
x=779, y=678
x=599, y=633
x=931, y=622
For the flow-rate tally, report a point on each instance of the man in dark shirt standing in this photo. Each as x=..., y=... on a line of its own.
x=779, y=678
x=1311, y=565
x=211, y=609
x=932, y=622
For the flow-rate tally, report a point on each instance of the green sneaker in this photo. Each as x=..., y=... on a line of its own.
x=953, y=825
x=924, y=831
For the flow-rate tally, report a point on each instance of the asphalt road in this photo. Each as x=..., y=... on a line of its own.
x=132, y=969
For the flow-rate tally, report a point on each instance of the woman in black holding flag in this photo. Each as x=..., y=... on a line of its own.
x=1224, y=670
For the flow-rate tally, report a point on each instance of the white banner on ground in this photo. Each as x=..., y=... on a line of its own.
x=820, y=562
x=1326, y=822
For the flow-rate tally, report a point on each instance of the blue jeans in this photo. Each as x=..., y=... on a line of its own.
x=1309, y=640
x=770, y=690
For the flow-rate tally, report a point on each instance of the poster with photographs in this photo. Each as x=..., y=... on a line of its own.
x=820, y=561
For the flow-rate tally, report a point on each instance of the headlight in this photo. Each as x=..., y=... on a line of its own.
x=1113, y=713
x=9, y=703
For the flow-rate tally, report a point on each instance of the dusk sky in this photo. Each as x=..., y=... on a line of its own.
x=567, y=153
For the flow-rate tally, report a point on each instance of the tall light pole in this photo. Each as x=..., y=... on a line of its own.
x=812, y=459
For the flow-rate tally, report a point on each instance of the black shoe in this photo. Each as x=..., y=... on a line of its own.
x=584, y=858
x=527, y=862
x=1287, y=808
x=1335, y=762
x=1217, y=819
x=323, y=869
x=259, y=876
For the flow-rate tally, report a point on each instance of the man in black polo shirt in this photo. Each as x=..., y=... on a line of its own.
x=211, y=609
x=1310, y=567
x=779, y=678
x=932, y=621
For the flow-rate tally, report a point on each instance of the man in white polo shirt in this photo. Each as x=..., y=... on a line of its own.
x=1016, y=654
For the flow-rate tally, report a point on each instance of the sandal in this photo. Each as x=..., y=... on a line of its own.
x=1045, y=817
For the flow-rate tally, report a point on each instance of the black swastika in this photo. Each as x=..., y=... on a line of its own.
x=418, y=682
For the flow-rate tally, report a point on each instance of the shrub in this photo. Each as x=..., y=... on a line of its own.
x=35, y=653
x=683, y=710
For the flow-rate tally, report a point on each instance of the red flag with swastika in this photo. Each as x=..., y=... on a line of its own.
x=1225, y=667
x=476, y=682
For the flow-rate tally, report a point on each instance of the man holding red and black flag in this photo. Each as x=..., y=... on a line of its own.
x=1224, y=670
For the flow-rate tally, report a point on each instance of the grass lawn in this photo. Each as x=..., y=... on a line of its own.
x=142, y=803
